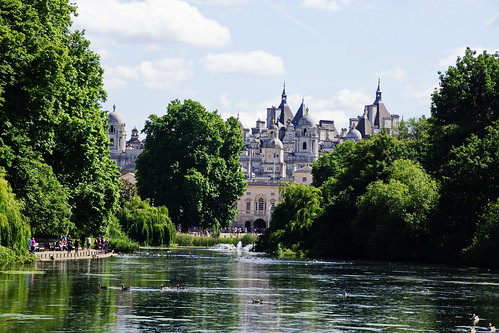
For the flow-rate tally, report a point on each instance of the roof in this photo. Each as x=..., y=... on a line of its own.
x=115, y=118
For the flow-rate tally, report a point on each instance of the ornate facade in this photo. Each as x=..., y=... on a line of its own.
x=276, y=152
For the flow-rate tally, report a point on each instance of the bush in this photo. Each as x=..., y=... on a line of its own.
x=146, y=224
x=182, y=239
x=118, y=240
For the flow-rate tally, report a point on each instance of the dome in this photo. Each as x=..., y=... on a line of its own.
x=273, y=143
x=306, y=121
x=354, y=134
x=115, y=118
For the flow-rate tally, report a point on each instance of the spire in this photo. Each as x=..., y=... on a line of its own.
x=114, y=107
x=378, y=93
x=284, y=96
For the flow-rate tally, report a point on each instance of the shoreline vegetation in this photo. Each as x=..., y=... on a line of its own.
x=426, y=192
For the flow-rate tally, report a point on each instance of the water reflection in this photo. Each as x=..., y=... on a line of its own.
x=322, y=296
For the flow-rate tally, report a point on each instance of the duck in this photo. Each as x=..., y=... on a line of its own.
x=256, y=301
x=471, y=329
x=475, y=319
x=124, y=288
x=101, y=286
x=492, y=328
x=164, y=287
x=181, y=287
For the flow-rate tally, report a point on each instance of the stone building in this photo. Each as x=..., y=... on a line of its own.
x=281, y=150
x=123, y=152
x=276, y=152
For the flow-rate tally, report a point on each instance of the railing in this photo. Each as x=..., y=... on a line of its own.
x=53, y=255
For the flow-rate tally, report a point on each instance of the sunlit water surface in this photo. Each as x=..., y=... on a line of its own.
x=296, y=296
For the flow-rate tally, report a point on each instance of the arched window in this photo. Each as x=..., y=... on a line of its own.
x=112, y=142
x=260, y=204
x=304, y=131
x=111, y=129
x=304, y=146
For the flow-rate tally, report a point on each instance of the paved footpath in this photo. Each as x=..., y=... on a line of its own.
x=65, y=255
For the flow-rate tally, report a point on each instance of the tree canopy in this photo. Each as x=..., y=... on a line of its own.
x=52, y=130
x=429, y=194
x=190, y=164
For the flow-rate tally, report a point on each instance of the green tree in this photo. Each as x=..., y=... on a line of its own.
x=466, y=102
x=330, y=164
x=470, y=182
x=393, y=215
x=369, y=160
x=484, y=246
x=146, y=224
x=14, y=227
x=292, y=219
x=50, y=93
x=190, y=164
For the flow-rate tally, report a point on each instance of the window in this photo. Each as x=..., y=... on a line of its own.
x=111, y=129
x=304, y=146
x=248, y=205
x=112, y=142
x=248, y=193
x=272, y=194
x=304, y=179
x=260, y=204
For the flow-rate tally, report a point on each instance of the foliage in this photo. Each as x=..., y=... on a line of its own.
x=484, y=246
x=14, y=227
x=292, y=219
x=468, y=95
x=50, y=93
x=184, y=239
x=393, y=215
x=469, y=183
x=416, y=133
x=190, y=164
x=118, y=239
x=146, y=224
x=127, y=192
x=46, y=200
x=330, y=164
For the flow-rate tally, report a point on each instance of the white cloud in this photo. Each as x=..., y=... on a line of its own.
x=494, y=20
x=165, y=74
x=253, y=63
x=149, y=21
x=328, y=5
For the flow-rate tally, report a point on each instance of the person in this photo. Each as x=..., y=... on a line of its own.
x=29, y=244
x=33, y=245
x=77, y=244
x=89, y=241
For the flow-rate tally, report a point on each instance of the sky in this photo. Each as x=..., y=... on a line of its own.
x=235, y=56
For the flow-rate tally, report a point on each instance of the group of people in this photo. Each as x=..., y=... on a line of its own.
x=100, y=243
x=67, y=243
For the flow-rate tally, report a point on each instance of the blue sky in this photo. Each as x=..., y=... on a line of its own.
x=235, y=55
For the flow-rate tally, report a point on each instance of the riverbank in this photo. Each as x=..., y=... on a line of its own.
x=65, y=255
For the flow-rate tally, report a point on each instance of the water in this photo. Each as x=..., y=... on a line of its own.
x=297, y=296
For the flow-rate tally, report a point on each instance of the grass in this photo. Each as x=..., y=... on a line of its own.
x=183, y=239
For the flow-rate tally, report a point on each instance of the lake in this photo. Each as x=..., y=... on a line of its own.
x=223, y=290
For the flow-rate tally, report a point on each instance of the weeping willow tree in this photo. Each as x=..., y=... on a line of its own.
x=14, y=227
x=146, y=224
x=292, y=220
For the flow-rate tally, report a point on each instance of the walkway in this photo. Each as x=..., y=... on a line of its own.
x=65, y=255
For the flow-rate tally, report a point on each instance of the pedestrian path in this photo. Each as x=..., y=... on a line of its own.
x=65, y=255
